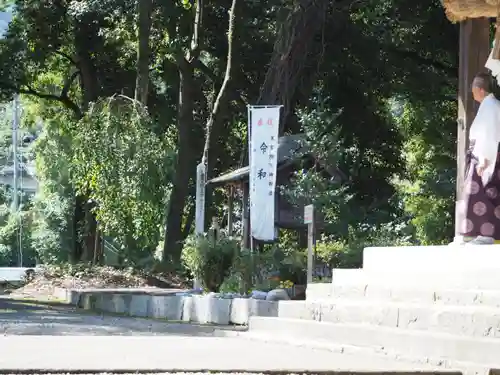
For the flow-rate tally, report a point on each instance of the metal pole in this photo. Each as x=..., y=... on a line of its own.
x=15, y=200
x=15, y=126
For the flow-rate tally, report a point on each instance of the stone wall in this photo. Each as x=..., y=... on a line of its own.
x=204, y=309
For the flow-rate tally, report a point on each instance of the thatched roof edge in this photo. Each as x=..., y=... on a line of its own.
x=460, y=10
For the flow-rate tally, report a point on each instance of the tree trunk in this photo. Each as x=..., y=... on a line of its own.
x=85, y=220
x=298, y=51
x=88, y=74
x=185, y=163
x=78, y=217
x=145, y=10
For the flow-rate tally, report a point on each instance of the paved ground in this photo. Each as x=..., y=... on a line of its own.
x=45, y=318
x=55, y=337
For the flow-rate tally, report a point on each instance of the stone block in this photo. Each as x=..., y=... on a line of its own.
x=91, y=301
x=299, y=310
x=167, y=307
x=74, y=297
x=377, y=314
x=121, y=303
x=319, y=291
x=434, y=280
x=408, y=295
x=240, y=311
x=244, y=308
x=82, y=303
x=432, y=258
x=187, y=309
x=400, y=342
x=107, y=303
x=140, y=305
x=264, y=308
x=208, y=309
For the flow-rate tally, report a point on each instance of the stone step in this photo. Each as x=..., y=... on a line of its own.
x=472, y=321
x=424, y=346
x=437, y=280
x=385, y=293
x=437, y=258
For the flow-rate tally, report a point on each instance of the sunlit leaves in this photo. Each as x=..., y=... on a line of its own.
x=427, y=191
x=124, y=167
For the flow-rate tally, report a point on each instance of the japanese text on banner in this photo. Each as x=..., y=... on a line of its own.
x=263, y=127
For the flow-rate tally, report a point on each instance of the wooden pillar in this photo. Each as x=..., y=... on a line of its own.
x=474, y=50
x=230, y=206
x=245, y=213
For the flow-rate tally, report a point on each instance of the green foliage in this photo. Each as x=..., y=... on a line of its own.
x=375, y=109
x=52, y=233
x=427, y=190
x=209, y=260
x=313, y=186
x=264, y=270
x=52, y=228
x=125, y=168
x=15, y=240
x=337, y=183
x=348, y=253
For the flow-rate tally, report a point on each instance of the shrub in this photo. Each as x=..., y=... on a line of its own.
x=264, y=270
x=348, y=253
x=209, y=260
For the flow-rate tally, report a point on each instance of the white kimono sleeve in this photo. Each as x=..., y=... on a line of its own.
x=485, y=132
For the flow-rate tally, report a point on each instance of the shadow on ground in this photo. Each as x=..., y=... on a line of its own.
x=52, y=318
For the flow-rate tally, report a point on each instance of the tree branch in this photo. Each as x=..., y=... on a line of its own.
x=145, y=10
x=68, y=103
x=227, y=77
x=68, y=83
x=194, y=52
x=67, y=57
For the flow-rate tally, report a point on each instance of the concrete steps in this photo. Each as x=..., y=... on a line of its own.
x=472, y=321
x=411, y=294
x=442, y=259
x=421, y=279
x=421, y=346
x=439, y=303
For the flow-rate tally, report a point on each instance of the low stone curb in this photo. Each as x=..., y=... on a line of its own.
x=203, y=309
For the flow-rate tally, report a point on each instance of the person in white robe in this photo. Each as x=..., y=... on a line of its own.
x=479, y=209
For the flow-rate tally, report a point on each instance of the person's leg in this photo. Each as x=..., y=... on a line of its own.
x=476, y=211
x=483, y=209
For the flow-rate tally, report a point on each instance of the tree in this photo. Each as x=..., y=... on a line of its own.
x=78, y=62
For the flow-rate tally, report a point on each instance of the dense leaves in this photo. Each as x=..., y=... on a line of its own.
x=369, y=82
x=122, y=166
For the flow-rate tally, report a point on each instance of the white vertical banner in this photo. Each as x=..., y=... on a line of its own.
x=263, y=126
x=201, y=181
